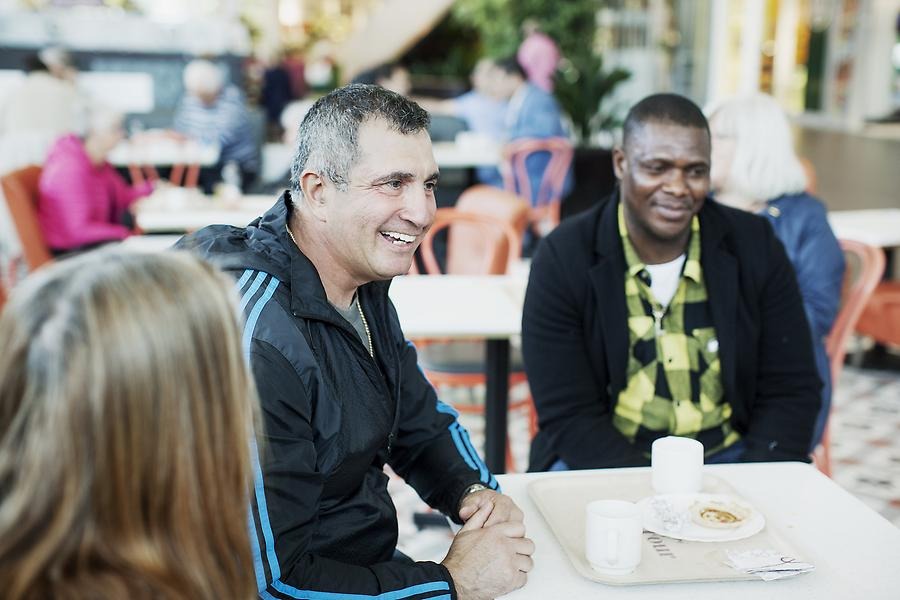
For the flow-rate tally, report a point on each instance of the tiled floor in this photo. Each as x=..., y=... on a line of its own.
x=865, y=454
x=866, y=438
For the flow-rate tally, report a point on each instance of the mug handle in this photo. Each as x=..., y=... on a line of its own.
x=612, y=546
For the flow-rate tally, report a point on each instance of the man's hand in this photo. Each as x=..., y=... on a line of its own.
x=489, y=561
x=504, y=509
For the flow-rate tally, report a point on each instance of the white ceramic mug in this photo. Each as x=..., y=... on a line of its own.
x=612, y=536
x=676, y=465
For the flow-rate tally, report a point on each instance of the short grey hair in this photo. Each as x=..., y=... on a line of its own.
x=328, y=139
x=203, y=77
x=765, y=165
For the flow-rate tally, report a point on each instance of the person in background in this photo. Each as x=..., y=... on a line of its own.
x=754, y=168
x=36, y=114
x=539, y=56
x=482, y=109
x=341, y=391
x=83, y=201
x=659, y=312
x=531, y=113
x=212, y=112
x=126, y=418
x=391, y=76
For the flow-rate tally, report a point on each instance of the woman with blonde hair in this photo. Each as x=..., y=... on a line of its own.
x=754, y=168
x=126, y=427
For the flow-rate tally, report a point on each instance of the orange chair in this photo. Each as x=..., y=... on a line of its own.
x=865, y=267
x=477, y=244
x=545, y=211
x=2, y=298
x=21, y=191
x=880, y=319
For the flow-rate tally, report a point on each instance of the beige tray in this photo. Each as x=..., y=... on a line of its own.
x=562, y=500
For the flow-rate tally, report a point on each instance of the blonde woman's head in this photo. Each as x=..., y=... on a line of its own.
x=752, y=150
x=126, y=417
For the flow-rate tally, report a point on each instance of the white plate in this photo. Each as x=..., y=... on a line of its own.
x=669, y=515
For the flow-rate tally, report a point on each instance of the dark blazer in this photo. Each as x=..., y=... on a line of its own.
x=575, y=339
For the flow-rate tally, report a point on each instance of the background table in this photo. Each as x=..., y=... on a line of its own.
x=855, y=550
x=469, y=307
x=877, y=227
x=175, y=209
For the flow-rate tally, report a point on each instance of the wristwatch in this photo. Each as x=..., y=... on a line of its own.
x=475, y=487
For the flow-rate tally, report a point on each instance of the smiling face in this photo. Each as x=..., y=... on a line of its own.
x=664, y=174
x=372, y=228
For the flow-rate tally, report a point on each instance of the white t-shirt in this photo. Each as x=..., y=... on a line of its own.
x=664, y=279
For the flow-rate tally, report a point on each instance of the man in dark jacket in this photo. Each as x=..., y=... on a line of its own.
x=660, y=312
x=340, y=388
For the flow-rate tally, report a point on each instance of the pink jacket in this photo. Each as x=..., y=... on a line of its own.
x=81, y=203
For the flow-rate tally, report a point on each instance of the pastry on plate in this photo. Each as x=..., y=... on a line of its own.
x=719, y=514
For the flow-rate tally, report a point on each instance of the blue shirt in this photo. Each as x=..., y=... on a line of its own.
x=225, y=123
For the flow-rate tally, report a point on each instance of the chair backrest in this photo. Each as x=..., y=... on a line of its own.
x=515, y=174
x=21, y=191
x=865, y=267
x=546, y=201
x=497, y=245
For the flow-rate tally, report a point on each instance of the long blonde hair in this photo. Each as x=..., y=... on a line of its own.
x=126, y=417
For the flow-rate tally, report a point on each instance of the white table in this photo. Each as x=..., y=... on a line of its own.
x=149, y=243
x=855, y=550
x=451, y=155
x=162, y=151
x=175, y=209
x=877, y=227
x=469, y=307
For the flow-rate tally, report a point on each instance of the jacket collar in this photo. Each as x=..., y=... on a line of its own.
x=308, y=298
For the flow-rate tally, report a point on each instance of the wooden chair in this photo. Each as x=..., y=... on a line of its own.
x=547, y=199
x=21, y=191
x=477, y=244
x=865, y=267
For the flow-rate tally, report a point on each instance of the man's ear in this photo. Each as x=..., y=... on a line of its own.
x=620, y=164
x=313, y=187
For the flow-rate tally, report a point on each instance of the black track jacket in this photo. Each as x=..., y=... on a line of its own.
x=322, y=523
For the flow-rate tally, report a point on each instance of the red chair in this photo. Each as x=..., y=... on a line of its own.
x=865, y=267
x=545, y=211
x=880, y=320
x=21, y=191
x=477, y=244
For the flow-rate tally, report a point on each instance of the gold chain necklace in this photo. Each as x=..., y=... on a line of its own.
x=362, y=315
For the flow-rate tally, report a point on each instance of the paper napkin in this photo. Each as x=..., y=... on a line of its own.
x=768, y=564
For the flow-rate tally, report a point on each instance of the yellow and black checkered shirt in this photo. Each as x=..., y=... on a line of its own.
x=674, y=376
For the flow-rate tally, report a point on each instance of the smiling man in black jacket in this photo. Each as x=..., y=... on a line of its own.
x=339, y=384
x=660, y=312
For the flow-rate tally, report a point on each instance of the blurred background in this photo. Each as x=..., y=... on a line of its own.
x=832, y=65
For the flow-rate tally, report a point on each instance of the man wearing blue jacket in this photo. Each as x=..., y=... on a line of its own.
x=340, y=388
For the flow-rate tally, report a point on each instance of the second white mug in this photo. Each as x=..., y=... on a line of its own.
x=676, y=465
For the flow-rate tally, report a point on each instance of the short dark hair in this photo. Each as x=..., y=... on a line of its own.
x=375, y=74
x=663, y=108
x=328, y=138
x=510, y=65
